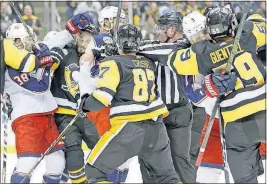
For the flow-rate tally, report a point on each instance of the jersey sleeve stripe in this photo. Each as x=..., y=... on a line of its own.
x=103, y=97
x=107, y=90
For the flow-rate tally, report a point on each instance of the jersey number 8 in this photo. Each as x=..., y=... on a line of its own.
x=144, y=89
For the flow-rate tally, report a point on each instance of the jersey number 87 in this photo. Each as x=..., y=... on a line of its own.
x=144, y=89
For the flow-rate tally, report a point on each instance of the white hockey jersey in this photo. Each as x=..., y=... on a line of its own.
x=29, y=92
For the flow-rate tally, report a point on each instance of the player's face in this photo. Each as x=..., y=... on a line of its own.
x=110, y=24
x=25, y=43
x=28, y=42
x=82, y=40
x=160, y=33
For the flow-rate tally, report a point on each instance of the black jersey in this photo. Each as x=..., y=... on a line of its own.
x=65, y=86
x=205, y=57
x=127, y=84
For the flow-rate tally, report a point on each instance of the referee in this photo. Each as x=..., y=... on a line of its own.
x=171, y=88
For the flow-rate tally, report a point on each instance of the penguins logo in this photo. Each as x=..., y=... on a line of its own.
x=71, y=75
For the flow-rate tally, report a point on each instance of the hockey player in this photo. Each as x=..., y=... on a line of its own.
x=243, y=117
x=65, y=90
x=171, y=87
x=27, y=81
x=194, y=27
x=126, y=82
x=103, y=44
x=107, y=21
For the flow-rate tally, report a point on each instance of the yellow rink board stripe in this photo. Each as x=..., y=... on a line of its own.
x=12, y=148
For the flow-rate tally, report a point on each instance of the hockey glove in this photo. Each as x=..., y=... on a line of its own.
x=81, y=21
x=217, y=83
x=80, y=105
x=57, y=55
x=44, y=55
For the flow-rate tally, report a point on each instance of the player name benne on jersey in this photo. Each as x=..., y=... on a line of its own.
x=224, y=53
x=141, y=63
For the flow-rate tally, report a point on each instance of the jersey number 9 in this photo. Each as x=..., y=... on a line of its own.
x=144, y=89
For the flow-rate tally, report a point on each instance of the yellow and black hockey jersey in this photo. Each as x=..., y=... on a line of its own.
x=65, y=87
x=205, y=57
x=127, y=84
x=18, y=59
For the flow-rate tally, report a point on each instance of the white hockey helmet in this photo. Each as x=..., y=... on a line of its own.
x=193, y=24
x=17, y=30
x=110, y=13
x=50, y=35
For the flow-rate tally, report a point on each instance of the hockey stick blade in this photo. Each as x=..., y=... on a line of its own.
x=51, y=147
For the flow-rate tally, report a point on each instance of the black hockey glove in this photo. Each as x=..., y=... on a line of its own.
x=80, y=111
x=57, y=55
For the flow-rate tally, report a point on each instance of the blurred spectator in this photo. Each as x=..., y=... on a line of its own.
x=92, y=6
x=71, y=6
x=6, y=18
x=137, y=13
x=207, y=4
x=20, y=6
x=191, y=6
x=31, y=20
x=163, y=8
x=152, y=13
x=262, y=9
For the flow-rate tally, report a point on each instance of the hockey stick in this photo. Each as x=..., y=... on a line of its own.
x=118, y=18
x=226, y=167
x=4, y=118
x=24, y=24
x=227, y=70
x=51, y=147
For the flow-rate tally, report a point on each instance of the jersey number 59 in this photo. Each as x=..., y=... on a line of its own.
x=144, y=89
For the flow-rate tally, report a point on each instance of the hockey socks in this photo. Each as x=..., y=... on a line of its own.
x=77, y=176
x=117, y=176
x=51, y=178
x=65, y=176
x=18, y=177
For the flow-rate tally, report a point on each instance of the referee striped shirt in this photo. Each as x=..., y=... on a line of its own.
x=169, y=84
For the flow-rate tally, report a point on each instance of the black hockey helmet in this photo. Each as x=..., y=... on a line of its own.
x=174, y=18
x=220, y=22
x=128, y=38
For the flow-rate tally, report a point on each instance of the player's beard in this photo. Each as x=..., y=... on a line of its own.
x=80, y=49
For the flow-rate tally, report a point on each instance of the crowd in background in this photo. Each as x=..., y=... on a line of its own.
x=8, y=16
x=145, y=13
